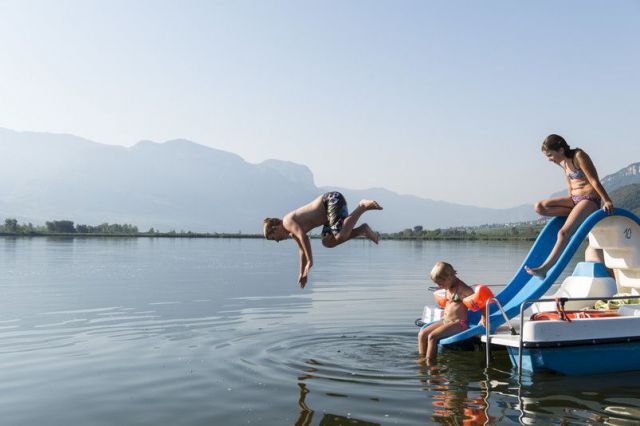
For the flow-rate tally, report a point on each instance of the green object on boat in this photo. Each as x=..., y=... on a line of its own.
x=606, y=305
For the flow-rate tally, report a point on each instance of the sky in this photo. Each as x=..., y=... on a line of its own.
x=439, y=99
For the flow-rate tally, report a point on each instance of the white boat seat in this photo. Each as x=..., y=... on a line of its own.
x=629, y=310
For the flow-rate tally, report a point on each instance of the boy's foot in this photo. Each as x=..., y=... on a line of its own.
x=370, y=205
x=536, y=272
x=371, y=234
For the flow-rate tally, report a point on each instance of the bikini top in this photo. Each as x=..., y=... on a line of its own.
x=577, y=173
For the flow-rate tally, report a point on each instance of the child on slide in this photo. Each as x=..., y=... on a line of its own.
x=329, y=211
x=586, y=195
x=455, y=312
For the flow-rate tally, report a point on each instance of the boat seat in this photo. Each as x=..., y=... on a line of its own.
x=629, y=310
x=619, y=239
x=589, y=279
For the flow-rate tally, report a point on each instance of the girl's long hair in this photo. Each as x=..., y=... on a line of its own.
x=554, y=142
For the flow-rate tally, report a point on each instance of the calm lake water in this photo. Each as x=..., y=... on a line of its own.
x=216, y=332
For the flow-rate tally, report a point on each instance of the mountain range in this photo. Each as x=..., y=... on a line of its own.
x=182, y=185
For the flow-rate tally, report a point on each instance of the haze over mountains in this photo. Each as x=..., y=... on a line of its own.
x=182, y=185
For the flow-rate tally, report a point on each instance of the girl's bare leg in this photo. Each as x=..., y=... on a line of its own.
x=580, y=212
x=424, y=335
x=596, y=255
x=445, y=331
x=560, y=206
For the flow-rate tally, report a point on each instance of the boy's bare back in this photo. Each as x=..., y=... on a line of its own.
x=308, y=216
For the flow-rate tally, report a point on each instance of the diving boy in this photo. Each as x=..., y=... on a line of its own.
x=329, y=211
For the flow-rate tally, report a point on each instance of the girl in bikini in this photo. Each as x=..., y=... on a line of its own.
x=455, y=312
x=586, y=195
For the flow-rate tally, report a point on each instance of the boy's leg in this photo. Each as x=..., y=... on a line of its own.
x=330, y=241
x=350, y=221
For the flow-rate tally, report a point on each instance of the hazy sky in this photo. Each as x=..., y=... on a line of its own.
x=444, y=100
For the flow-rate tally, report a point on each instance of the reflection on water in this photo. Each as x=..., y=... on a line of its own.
x=556, y=399
x=195, y=332
x=452, y=401
x=328, y=419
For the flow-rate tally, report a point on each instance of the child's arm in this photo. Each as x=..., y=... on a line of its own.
x=302, y=277
x=590, y=172
x=306, y=257
x=468, y=291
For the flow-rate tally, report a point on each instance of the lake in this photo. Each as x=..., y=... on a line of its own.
x=104, y=331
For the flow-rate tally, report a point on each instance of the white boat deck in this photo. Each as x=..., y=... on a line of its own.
x=503, y=336
x=503, y=340
x=624, y=326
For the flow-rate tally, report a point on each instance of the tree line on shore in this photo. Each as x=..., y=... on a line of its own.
x=11, y=226
x=519, y=231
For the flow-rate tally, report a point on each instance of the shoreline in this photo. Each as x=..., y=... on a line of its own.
x=251, y=236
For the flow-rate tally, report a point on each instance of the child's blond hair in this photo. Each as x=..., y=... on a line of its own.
x=268, y=224
x=442, y=271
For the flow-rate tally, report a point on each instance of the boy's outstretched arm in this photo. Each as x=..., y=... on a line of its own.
x=302, y=276
x=306, y=257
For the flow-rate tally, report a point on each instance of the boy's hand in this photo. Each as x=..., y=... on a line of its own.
x=302, y=280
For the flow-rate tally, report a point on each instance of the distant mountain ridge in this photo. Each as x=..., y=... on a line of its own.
x=182, y=185
x=625, y=176
x=174, y=185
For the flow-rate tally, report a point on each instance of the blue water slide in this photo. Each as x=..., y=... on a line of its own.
x=523, y=286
